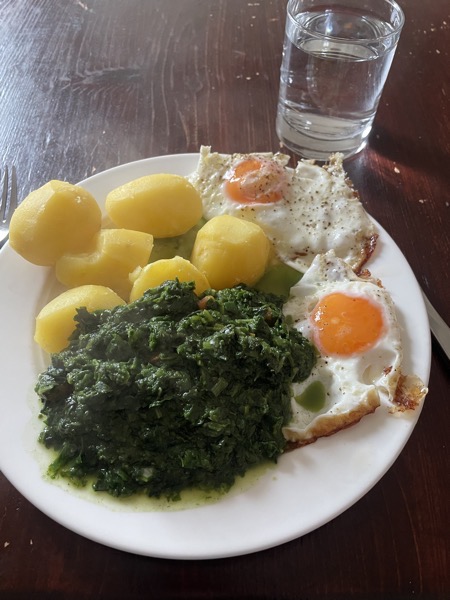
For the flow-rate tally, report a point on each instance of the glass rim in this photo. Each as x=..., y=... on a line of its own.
x=395, y=31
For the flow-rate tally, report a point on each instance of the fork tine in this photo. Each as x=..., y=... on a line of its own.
x=4, y=195
x=13, y=196
x=8, y=202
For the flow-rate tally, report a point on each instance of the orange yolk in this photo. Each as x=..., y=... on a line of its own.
x=346, y=325
x=255, y=180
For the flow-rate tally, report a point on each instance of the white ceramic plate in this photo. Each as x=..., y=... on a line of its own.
x=306, y=489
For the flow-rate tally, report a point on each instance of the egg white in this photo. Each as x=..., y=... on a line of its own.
x=319, y=210
x=355, y=385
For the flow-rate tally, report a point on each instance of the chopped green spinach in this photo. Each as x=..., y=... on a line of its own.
x=172, y=391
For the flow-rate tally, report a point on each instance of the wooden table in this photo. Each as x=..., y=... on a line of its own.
x=86, y=85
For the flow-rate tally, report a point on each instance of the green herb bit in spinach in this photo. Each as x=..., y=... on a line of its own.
x=172, y=391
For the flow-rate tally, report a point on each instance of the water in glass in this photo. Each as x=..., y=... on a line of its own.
x=335, y=64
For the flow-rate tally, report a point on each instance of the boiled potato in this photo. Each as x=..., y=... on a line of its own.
x=229, y=250
x=55, y=323
x=162, y=270
x=114, y=255
x=55, y=219
x=164, y=205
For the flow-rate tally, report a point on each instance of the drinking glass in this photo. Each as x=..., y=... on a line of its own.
x=336, y=58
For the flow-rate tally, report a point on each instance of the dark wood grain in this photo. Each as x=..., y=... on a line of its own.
x=86, y=85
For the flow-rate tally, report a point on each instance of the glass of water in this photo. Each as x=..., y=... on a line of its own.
x=336, y=58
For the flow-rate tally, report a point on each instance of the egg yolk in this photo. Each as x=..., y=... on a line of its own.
x=346, y=325
x=255, y=180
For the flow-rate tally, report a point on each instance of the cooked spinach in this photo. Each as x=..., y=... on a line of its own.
x=172, y=391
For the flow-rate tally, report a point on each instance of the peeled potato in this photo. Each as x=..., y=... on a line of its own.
x=163, y=205
x=166, y=269
x=55, y=323
x=55, y=219
x=115, y=253
x=229, y=250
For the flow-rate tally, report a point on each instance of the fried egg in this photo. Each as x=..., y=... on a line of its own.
x=352, y=322
x=304, y=211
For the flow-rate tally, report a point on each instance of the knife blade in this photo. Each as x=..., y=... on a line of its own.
x=438, y=326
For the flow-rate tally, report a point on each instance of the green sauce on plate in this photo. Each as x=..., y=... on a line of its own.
x=313, y=398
